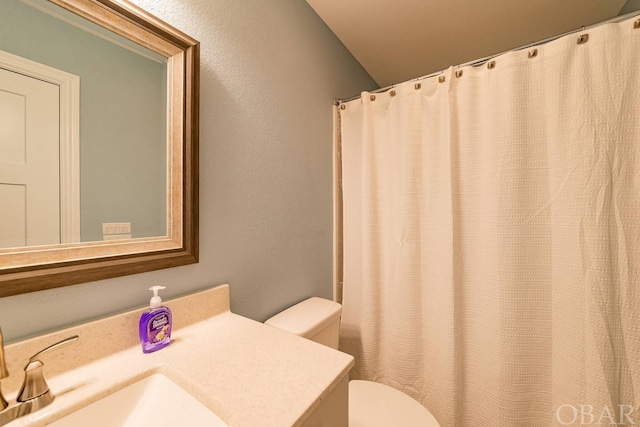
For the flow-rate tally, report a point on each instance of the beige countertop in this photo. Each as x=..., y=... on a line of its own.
x=248, y=373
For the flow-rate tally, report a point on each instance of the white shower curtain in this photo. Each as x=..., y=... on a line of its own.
x=491, y=227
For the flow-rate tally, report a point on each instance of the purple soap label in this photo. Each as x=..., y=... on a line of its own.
x=159, y=328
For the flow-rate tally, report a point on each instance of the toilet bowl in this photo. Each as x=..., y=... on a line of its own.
x=371, y=404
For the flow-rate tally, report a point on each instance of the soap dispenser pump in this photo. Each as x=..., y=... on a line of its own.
x=155, y=324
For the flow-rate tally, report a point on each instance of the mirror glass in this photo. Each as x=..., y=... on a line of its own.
x=99, y=106
x=84, y=160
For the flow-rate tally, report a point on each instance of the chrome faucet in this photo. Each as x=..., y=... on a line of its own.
x=34, y=393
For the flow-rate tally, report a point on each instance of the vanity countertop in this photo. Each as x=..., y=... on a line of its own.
x=248, y=373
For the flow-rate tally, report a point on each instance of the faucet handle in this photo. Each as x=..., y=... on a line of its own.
x=52, y=347
x=34, y=388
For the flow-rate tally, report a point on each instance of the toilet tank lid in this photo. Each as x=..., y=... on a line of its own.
x=307, y=317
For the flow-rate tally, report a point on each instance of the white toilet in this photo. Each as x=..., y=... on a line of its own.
x=370, y=404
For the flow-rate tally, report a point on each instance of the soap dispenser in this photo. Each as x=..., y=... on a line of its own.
x=155, y=324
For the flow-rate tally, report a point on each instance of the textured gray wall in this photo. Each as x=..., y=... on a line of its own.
x=270, y=72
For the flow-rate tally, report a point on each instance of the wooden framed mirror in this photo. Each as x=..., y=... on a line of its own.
x=33, y=267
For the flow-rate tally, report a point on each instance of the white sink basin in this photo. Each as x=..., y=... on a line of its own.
x=154, y=401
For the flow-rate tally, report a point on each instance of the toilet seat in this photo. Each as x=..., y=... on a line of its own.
x=373, y=404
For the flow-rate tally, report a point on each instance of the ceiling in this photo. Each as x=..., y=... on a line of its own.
x=397, y=40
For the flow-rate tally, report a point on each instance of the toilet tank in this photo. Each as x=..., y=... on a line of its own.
x=317, y=319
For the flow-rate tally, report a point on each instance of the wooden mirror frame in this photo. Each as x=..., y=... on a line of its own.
x=30, y=269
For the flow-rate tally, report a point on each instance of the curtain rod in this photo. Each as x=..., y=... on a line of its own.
x=481, y=61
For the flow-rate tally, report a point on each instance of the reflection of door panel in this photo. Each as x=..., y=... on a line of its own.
x=12, y=212
x=29, y=161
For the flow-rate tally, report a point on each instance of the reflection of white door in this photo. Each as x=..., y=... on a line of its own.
x=29, y=161
x=13, y=222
